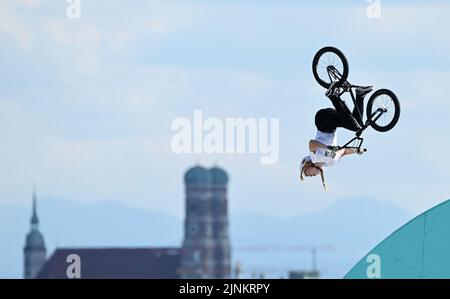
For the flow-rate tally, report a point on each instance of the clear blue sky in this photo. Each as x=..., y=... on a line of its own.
x=86, y=105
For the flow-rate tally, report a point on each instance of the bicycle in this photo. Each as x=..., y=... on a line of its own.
x=330, y=65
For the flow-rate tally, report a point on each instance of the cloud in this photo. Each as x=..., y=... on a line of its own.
x=91, y=104
x=78, y=43
x=30, y=3
x=409, y=32
x=14, y=27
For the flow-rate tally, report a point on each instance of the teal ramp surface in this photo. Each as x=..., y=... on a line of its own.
x=419, y=249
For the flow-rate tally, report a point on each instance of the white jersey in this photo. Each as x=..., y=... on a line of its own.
x=322, y=155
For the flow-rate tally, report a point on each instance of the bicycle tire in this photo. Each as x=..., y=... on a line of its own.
x=315, y=65
x=396, y=104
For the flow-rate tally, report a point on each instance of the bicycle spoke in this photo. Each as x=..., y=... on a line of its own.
x=386, y=103
x=323, y=65
x=384, y=117
x=322, y=72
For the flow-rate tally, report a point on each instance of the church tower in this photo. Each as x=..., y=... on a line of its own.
x=34, y=250
x=206, y=245
x=219, y=211
x=197, y=251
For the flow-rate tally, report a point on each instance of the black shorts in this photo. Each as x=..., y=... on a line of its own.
x=327, y=120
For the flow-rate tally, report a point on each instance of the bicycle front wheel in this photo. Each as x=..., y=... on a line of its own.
x=383, y=110
x=330, y=65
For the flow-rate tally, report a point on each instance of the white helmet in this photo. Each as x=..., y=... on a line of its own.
x=304, y=160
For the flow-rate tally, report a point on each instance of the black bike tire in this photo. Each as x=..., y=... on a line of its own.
x=396, y=117
x=316, y=61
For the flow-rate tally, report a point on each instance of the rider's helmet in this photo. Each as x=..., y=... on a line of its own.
x=303, y=164
x=307, y=161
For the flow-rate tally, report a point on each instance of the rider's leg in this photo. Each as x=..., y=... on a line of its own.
x=346, y=119
x=360, y=95
x=358, y=110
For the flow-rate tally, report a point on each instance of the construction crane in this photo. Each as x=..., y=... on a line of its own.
x=312, y=249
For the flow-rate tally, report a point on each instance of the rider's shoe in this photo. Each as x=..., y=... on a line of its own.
x=333, y=90
x=362, y=91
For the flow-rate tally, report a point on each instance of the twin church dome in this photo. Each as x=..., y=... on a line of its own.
x=203, y=176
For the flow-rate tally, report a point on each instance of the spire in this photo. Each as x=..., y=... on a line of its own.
x=34, y=249
x=34, y=217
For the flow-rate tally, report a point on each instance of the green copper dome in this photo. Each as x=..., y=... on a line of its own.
x=197, y=175
x=219, y=176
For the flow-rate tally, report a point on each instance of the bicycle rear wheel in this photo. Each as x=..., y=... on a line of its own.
x=330, y=65
x=383, y=110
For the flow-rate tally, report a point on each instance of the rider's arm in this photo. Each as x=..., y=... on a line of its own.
x=349, y=151
x=315, y=145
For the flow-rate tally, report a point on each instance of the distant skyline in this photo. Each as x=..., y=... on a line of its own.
x=67, y=223
x=86, y=105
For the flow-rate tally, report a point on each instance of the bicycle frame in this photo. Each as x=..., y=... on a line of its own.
x=334, y=75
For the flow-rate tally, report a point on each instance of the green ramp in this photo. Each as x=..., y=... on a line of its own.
x=419, y=249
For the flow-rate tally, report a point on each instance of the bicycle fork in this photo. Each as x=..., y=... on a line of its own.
x=360, y=141
x=380, y=112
